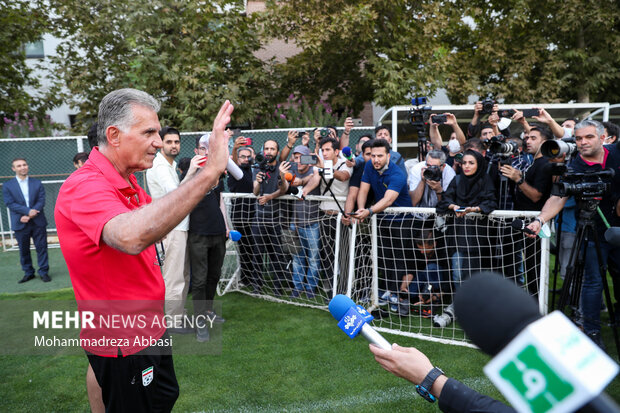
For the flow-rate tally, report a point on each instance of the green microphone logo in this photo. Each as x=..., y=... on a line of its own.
x=539, y=386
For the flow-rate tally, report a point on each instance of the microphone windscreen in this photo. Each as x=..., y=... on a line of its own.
x=517, y=224
x=492, y=310
x=288, y=176
x=339, y=305
x=612, y=235
x=346, y=151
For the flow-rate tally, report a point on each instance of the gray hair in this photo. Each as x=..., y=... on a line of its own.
x=435, y=154
x=116, y=107
x=600, y=129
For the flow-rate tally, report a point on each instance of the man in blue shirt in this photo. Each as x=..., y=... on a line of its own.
x=389, y=186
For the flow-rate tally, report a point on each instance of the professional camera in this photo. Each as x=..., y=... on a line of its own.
x=558, y=147
x=503, y=149
x=583, y=185
x=487, y=106
x=261, y=162
x=418, y=117
x=324, y=132
x=432, y=173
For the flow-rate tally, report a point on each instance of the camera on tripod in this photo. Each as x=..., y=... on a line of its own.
x=418, y=117
x=502, y=149
x=583, y=185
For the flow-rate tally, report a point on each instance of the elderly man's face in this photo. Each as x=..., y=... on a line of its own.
x=140, y=143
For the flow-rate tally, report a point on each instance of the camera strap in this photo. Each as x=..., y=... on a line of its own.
x=331, y=181
x=332, y=194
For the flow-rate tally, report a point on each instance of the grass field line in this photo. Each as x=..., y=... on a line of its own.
x=376, y=397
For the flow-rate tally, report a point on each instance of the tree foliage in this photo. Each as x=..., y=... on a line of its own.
x=19, y=24
x=191, y=55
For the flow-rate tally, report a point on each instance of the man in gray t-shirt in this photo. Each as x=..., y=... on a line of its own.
x=306, y=223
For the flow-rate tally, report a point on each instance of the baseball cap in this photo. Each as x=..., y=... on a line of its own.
x=302, y=150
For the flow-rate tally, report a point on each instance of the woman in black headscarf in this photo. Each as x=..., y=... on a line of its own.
x=471, y=192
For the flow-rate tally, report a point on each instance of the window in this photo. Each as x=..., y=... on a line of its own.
x=35, y=50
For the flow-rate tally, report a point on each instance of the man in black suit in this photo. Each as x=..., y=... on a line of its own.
x=25, y=198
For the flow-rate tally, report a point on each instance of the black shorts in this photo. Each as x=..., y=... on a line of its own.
x=142, y=382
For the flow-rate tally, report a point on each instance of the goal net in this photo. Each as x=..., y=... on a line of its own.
x=404, y=264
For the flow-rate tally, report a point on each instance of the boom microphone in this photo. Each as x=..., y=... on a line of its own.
x=347, y=153
x=232, y=167
x=540, y=363
x=353, y=318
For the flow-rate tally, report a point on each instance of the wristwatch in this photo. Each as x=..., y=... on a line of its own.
x=424, y=388
x=370, y=213
x=521, y=180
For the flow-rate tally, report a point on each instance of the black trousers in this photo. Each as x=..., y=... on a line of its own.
x=129, y=385
x=39, y=236
x=206, y=255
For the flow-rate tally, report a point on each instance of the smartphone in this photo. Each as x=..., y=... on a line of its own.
x=439, y=119
x=461, y=209
x=506, y=113
x=308, y=160
x=352, y=214
x=528, y=113
x=248, y=141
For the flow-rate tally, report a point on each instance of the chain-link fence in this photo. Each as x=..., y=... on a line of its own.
x=51, y=161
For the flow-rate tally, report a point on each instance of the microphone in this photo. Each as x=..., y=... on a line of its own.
x=519, y=225
x=541, y=363
x=234, y=235
x=232, y=167
x=347, y=153
x=612, y=235
x=293, y=190
x=353, y=318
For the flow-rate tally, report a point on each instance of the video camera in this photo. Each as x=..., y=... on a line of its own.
x=418, y=117
x=583, y=185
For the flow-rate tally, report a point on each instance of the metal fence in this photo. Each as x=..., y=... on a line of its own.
x=50, y=160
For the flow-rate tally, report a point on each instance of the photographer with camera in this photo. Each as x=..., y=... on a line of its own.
x=266, y=229
x=532, y=188
x=593, y=157
x=481, y=108
x=243, y=211
x=429, y=179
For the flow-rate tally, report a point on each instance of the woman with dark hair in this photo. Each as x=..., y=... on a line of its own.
x=467, y=237
x=472, y=191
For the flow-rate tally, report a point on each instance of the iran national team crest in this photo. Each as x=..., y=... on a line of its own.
x=147, y=376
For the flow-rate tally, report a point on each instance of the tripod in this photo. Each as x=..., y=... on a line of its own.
x=586, y=231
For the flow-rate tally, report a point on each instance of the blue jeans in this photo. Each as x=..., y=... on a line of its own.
x=420, y=283
x=592, y=287
x=307, y=258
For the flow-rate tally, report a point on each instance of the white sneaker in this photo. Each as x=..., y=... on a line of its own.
x=444, y=319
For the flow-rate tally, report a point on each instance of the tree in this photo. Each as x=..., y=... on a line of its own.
x=191, y=55
x=19, y=24
x=532, y=51
x=358, y=51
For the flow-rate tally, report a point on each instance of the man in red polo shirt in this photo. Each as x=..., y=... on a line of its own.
x=107, y=226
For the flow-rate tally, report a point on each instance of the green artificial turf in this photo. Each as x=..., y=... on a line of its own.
x=274, y=357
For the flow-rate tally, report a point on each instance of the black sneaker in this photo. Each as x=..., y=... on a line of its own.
x=596, y=337
x=214, y=318
x=202, y=333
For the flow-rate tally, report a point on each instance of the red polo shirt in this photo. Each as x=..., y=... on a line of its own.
x=106, y=280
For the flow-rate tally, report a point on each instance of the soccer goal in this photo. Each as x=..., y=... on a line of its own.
x=404, y=265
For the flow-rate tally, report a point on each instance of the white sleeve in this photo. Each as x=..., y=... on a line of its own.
x=415, y=176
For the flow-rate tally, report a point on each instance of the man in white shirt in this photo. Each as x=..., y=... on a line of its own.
x=162, y=179
x=425, y=188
